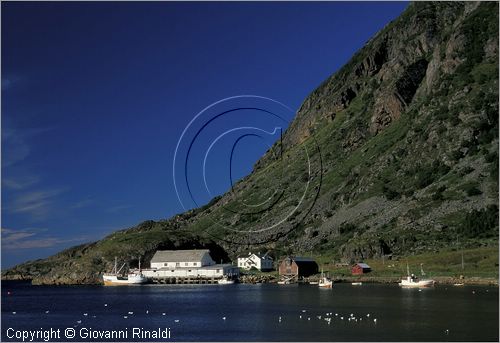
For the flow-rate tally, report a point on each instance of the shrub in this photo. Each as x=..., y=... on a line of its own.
x=471, y=189
x=390, y=193
x=480, y=223
x=455, y=155
x=438, y=194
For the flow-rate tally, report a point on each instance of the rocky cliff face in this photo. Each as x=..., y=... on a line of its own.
x=403, y=144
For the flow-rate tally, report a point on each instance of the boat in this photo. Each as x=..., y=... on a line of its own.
x=225, y=280
x=412, y=281
x=356, y=283
x=458, y=284
x=116, y=279
x=324, y=281
x=286, y=280
x=313, y=282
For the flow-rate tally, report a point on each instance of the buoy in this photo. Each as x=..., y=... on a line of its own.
x=47, y=311
x=336, y=314
x=147, y=311
x=375, y=320
x=176, y=320
x=303, y=311
x=14, y=312
x=125, y=317
x=163, y=313
x=8, y=293
x=308, y=318
x=447, y=331
x=223, y=318
x=79, y=321
x=300, y=317
x=85, y=314
x=368, y=315
x=341, y=318
x=130, y=312
x=105, y=305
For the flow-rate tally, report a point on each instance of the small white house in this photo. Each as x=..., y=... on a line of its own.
x=258, y=261
x=181, y=259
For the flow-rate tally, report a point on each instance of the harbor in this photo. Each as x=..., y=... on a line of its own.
x=262, y=312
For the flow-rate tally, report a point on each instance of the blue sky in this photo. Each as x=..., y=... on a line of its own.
x=96, y=95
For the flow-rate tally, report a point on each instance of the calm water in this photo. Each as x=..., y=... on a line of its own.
x=252, y=311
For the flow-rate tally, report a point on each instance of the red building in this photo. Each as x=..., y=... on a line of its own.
x=360, y=269
x=297, y=267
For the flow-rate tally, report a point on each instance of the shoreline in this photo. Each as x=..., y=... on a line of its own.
x=440, y=280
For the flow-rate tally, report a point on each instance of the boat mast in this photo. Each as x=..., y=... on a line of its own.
x=114, y=268
x=139, y=264
x=422, y=269
x=407, y=269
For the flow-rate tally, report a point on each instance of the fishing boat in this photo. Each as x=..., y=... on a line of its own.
x=412, y=281
x=324, y=281
x=225, y=280
x=356, y=283
x=116, y=279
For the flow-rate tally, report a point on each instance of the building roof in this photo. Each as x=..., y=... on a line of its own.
x=363, y=265
x=303, y=259
x=258, y=254
x=212, y=267
x=179, y=255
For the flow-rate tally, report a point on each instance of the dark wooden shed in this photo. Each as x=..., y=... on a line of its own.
x=297, y=267
x=360, y=269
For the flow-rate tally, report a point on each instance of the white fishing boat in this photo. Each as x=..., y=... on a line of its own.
x=412, y=281
x=324, y=281
x=225, y=280
x=356, y=283
x=116, y=279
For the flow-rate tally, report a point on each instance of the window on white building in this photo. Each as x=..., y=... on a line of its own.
x=177, y=264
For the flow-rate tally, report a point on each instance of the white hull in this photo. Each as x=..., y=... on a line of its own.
x=131, y=279
x=413, y=283
x=356, y=283
x=225, y=282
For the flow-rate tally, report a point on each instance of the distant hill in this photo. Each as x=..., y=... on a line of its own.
x=403, y=144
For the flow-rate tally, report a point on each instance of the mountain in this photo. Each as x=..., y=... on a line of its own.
x=394, y=154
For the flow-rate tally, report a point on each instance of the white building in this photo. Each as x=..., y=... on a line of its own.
x=188, y=264
x=259, y=261
x=181, y=259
